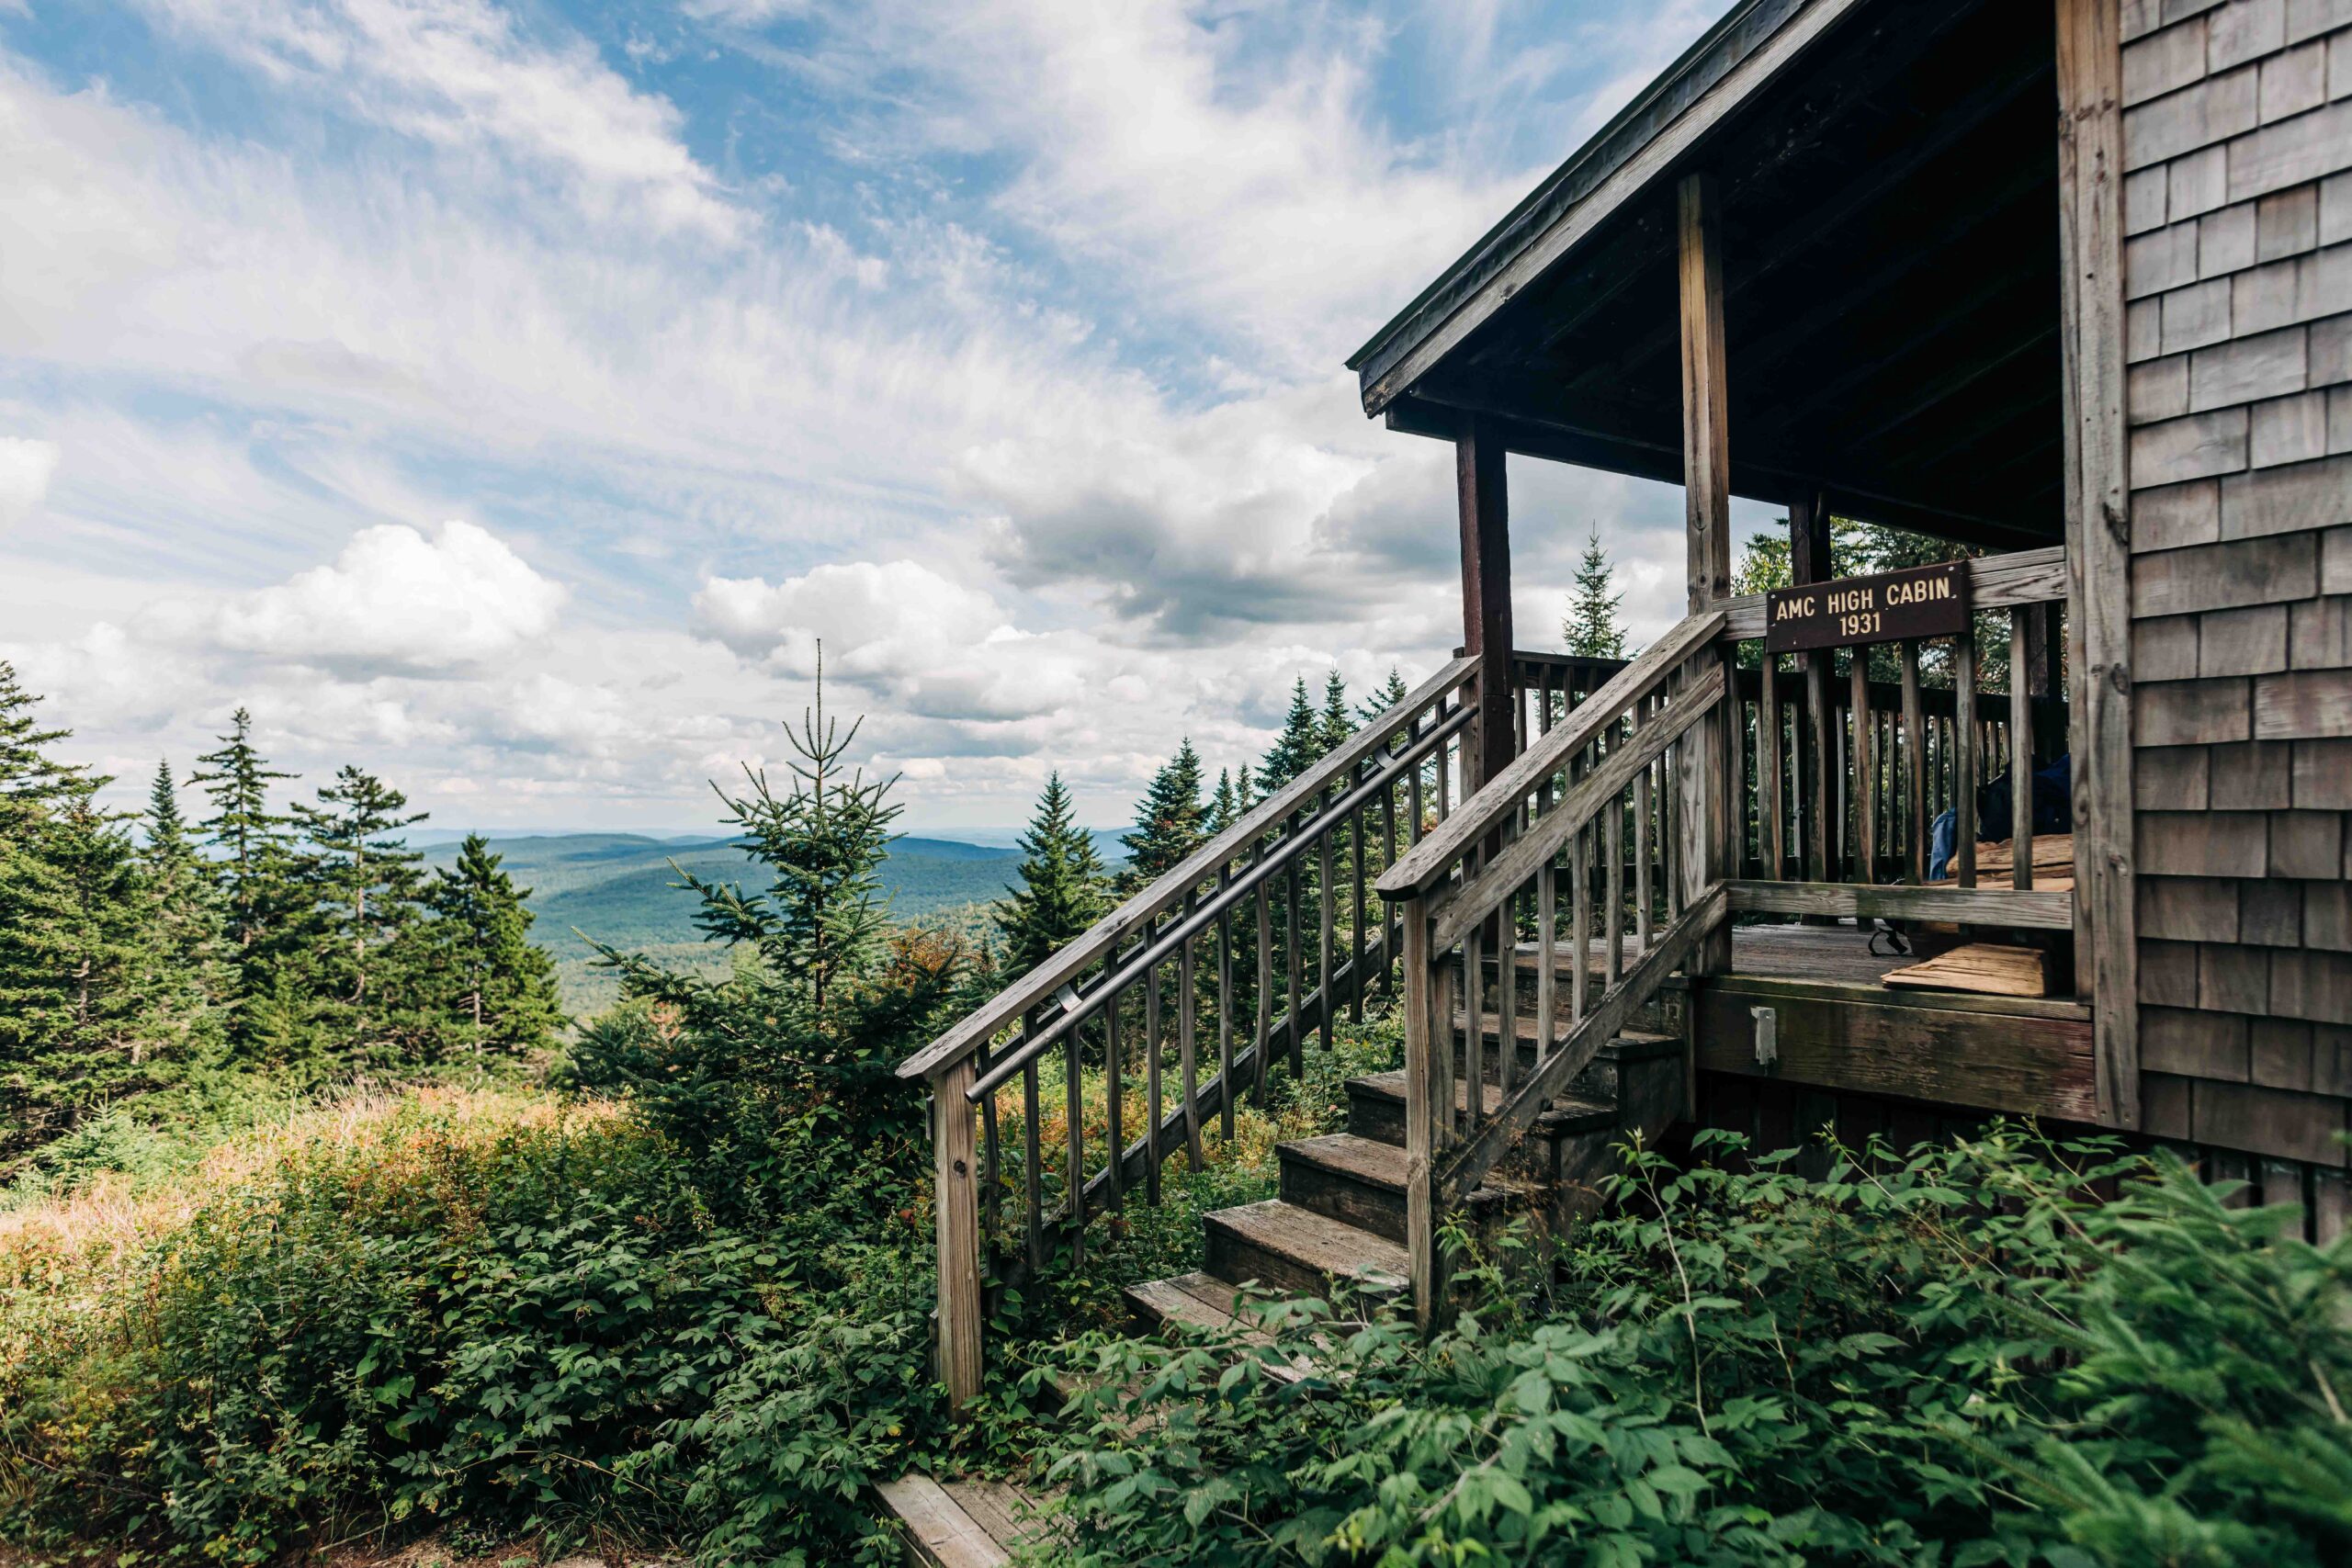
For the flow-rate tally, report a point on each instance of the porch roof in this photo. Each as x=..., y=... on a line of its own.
x=1887, y=170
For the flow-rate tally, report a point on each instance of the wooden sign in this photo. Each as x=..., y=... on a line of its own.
x=1927, y=601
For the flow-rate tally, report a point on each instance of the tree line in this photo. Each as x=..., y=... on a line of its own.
x=142, y=953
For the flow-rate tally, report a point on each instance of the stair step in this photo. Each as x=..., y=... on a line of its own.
x=1287, y=1248
x=962, y=1524
x=1204, y=1301
x=1376, y=1109
x=1361, y=1182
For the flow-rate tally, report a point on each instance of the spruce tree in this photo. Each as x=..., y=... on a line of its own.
x=1298, y=747
x=1062, y=884
x=1392, y=692
x=195, y=985
x=364, y=877
x=1170, y=820
x=1338, y=721
x=1594, y=628
x=1226, y=802
x=77, y=956
x=251, y=866
x=494, y=984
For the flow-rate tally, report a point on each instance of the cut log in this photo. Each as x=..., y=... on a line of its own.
x=1980, y=966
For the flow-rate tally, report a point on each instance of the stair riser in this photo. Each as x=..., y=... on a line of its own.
x=1381, y=1118
x=1237, y=1259
x=1347, y=1199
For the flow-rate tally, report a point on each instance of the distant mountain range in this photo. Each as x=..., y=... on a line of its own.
x=620, y=888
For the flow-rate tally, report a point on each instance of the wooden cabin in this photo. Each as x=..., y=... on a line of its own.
x=2068, y=283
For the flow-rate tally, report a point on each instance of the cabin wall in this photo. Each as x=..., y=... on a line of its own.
x=2238, y=199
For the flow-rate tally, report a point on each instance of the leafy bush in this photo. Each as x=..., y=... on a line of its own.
x=1958, y=1357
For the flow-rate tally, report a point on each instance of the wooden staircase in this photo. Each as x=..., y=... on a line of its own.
x=1340, y=1211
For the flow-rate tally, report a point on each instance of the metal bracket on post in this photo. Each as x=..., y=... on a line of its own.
x=1768, y=1035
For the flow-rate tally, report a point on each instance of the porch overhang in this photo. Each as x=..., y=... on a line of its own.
x=1889, y=185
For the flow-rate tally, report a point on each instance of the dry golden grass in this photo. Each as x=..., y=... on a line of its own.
x=62, y=1258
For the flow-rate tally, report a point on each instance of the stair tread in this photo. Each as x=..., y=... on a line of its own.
x=1365, y=1160
x=1204, y=1301
x=963, y=1523
x=1317, y=1241
x=1391, y=1084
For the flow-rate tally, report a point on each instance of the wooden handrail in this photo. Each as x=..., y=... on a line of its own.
x=1230, y=894
x=1041, y=983
x=1479, y=895
x=1498, y=800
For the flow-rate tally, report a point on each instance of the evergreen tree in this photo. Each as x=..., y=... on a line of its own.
x=1298, y=747
x=1171, y=821
x=823, y=920
x=1062, y=883
x=491, y=978
x=252, y=863
x=77, y=960
x=1338, y=720
x=364, y=878
x=1392, y=692
x=195, y=985
x=1227, y=802
x=1594, y=627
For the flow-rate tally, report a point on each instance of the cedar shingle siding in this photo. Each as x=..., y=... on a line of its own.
x=2237, y=138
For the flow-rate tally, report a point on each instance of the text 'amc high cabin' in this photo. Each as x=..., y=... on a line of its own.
x=2069, y=284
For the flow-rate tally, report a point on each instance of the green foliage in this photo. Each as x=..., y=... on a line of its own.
x=1958, y=1358
x=1595, y=626
x=1298, y=747
x=1062, y=883
x=1171, y=821
x=481, y=960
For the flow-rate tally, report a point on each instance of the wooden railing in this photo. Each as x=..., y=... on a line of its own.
x=1594, y=837
x=1835, y=817
x=1182, y=999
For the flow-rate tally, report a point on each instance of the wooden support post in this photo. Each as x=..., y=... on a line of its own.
x=1706, y=476
x=1425, y=1039
x=1485, y=594
x=2098, y=536
x=955, y=1178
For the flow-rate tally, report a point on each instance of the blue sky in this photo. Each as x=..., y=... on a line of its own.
x=508, y=395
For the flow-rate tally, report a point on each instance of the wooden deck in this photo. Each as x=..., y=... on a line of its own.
x=1839, y=1026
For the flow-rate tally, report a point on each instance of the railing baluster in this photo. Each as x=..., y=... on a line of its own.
x=1188, y=1008
x=1864, y=774
x=1074, y=1096
x=2021, y=757
x=1771, y=842
x=1324, y=924
x=1644, y=901
x=1735, y=732
x=1474, y=1030
x=1547, y=960
x=1152, y=1049
x=958, y=1233
x=992, y=1187
x=1965, y=733
x=1413, y=804
x=1355, y=917
x=1032, y=1183
x=1225, y=1009
x=1580, y=920
x=1438, y=967
x=1294, y=1043
x=1265, y=1033
x=1506, y=995
x=1114, y=1083
x=1915, y=769
x=1612, y=823
x=1820, y=864
x=1426, y=1054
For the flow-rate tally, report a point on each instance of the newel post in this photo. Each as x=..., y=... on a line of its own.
x=955, y=1177
x=1481, y=492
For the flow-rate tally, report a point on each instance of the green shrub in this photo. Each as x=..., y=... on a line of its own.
x=1954, y=1358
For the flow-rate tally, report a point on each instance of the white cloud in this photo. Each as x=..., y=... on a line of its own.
x=459, y=73
x=26, y=467
x=393, y=599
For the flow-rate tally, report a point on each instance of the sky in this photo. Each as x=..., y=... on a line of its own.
x=508, y=395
